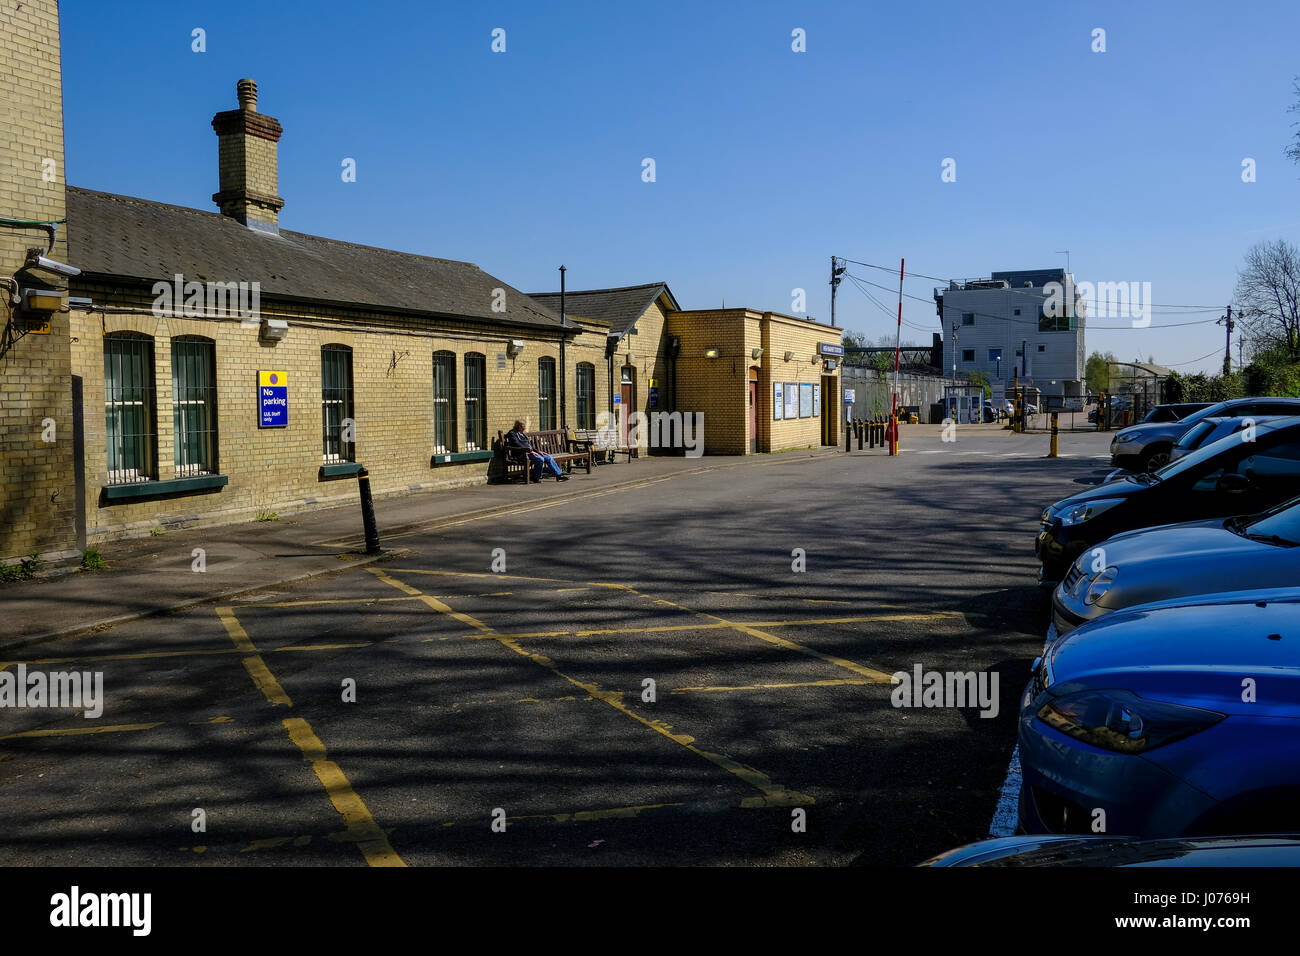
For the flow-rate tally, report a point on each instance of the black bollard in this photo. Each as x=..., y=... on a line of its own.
x=861, y=429
x=368, y=512
x=848, y=437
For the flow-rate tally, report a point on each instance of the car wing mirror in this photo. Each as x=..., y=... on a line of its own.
x=1233, y=482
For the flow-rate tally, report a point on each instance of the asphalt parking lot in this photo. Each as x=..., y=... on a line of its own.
x=644, y=678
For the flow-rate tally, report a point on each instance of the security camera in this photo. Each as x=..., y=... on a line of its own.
x=62, y=268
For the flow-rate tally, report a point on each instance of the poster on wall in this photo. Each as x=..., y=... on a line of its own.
x=806, y=400
x=791, y=399
x=817, y=400
x=777, y=402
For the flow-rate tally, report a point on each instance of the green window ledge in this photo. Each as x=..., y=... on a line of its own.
x=156, y=489
x=344, y=469
x=460, y=457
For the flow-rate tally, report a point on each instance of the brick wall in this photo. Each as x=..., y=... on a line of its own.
x=277, y=469
x=37, y=506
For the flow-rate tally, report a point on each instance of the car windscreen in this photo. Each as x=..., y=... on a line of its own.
x=1220, y=409
x=1194, y=460
x=1196, y=436
x=1282, y=523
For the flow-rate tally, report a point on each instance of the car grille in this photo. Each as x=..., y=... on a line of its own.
x=1072, y=577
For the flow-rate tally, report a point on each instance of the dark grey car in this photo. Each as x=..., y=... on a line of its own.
x=1144, y=448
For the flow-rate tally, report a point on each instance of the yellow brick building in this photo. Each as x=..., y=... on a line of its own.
x=202, y=367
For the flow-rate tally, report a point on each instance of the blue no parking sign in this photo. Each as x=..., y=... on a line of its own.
x=272, y=400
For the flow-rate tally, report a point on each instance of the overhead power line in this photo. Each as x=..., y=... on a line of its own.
x=921, y=275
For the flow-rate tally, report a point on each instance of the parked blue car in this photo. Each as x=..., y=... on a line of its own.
x=1179, y=718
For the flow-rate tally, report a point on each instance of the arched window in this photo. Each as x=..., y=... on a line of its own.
x=475, y=401
x=129, y=408
x=194, y=405
x=545, y=394
x=338, y=427
x=586, y=381
x=444, y=402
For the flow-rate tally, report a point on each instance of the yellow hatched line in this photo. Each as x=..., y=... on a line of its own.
x=211, y=652
x=79, y=731
x=369, y=837
x=844, y=682
x=773, y=794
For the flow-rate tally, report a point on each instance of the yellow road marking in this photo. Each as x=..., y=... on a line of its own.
x=211, y=652
x=365, y=600
x=845, y=682
x=370, y=838
x=773, y=794
x=256, y=667
x=875, y=676
x=78, y=731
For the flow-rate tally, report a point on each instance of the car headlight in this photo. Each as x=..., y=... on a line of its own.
x=1102, y=582
x=1046, y=516
x=1121, y=437
x=1078, y=514
x=1123, y=722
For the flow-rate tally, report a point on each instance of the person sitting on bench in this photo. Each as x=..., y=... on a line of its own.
x=541, y=464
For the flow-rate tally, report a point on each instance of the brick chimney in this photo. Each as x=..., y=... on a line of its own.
x=246, y=151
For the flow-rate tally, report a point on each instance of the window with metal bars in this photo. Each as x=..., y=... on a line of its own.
x=129, y=409
x=336, y=404
x=475, y=402
x=444, y=402
x=194, y=406
x=586, y=395
x=545, y=394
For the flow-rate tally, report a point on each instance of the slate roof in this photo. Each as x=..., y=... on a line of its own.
x=619, y=307
x=120, y=237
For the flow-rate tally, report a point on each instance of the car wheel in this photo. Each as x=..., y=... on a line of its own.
x=1156, y=458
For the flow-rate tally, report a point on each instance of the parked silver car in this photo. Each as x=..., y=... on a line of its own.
x=1210, y=430
x=1144, y=448
x=1173, y=561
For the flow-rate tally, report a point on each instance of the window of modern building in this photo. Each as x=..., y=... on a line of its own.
x=129, y=408
x=1016, y=312
x=968, y=355
x=968, y=318
x=336, y=404
x=444, y=402
x=1042, y=348
x=194, y=406
x=1056, y=323
x=475, y=402
x=586, y=395
x=545, y=394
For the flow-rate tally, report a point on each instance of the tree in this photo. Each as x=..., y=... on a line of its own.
x=1097, y=371
x=1268, y=297
x=1293, y=151
x=1173, y=389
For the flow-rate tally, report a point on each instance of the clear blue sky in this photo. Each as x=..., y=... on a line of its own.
x=768, y=161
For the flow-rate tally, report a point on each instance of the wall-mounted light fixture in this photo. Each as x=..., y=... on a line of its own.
x=273, y=330
x=756, y=353
x=788, y=356
x=514, y=347
x=674, y=346
x=712, y=353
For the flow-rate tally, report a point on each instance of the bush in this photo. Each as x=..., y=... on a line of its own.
x=92, y=560
x=24, y=570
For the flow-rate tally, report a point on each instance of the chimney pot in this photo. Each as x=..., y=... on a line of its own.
x=246, y=90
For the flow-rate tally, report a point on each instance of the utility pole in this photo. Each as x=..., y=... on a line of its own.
x=1227, y=349
x=835, y=284
x=1241, y=350
x=953, y=410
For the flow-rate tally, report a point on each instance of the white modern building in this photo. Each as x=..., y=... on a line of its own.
x=1010, y=325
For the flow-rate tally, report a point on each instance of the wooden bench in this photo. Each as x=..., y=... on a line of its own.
x=557, y=443
x=607, y=442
